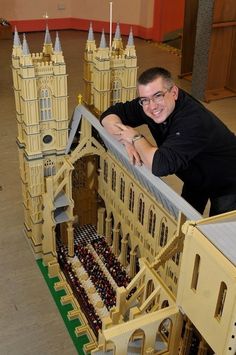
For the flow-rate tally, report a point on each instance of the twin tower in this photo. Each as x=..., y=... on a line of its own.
x=40, y=87
x=110, y=73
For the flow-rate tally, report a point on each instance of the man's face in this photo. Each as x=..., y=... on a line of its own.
x=160, y=102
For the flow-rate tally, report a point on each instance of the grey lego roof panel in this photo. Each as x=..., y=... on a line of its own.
x=223, y=235
x=61, y=200
x=60, y=216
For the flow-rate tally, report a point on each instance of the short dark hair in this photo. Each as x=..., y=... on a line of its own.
x=153, y=73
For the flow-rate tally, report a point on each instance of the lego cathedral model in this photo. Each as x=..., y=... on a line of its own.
x=143, y=271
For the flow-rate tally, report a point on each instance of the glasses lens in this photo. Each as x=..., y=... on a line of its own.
x=144, y=102
x=158, y=97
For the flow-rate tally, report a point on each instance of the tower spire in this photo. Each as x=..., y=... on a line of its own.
x=117, y=45
x=17, y=49
x=90, y=44
x=57, y=46
x=25, y=47
x=103, y=40
x=16, y=41
x=117, y=33
x=47, y=46
x=131, y=38
x=90, y=34
x=47, y=38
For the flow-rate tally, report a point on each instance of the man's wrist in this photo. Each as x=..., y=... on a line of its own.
x=137, y=137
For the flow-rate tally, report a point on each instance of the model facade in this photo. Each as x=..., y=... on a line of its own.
x=110, y=73
x=40, y=87
x=144, y=272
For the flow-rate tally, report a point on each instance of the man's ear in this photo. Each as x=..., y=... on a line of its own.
x=175, y=92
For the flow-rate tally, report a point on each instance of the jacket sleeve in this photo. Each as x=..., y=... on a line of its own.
x=130, y=113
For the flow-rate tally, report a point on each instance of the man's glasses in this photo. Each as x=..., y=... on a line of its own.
x=157, y=98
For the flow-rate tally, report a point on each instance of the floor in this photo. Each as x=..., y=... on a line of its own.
x=29, y=321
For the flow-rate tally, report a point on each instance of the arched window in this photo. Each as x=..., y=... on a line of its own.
x=166, y=235
x=122, y=188
x=113, y=179
x=163, y=234
x=176, y=258
x=152, y=223
x=149, y=290
x=116, y=91
x=165, y=328
x=136, y=341
x=45, y=105
x=105, y=171
x=195, y=276
x=131, y=198
x=221, y=300
x=49, y=167
x=141, y=208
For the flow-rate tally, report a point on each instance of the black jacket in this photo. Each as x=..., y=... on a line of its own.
x=193, y=144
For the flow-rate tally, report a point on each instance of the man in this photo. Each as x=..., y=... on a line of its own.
x=192, y=142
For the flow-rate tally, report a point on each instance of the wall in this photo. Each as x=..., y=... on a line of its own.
x=150, y=19
x=138, y=13
x=171, y=14
x=31, y=10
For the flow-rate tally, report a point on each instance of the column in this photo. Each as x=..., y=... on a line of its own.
x=132, y=270
x=124, y=245
x=176, y=330
x=70, y=238
x=202, y=48
x=100, y=224
x=115, y=245
x=108, y=231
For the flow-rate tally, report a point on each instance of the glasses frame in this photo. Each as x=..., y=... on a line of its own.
x=156, y=98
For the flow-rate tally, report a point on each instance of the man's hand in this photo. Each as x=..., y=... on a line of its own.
x=110, y=124
x=125, y=133
x=141, y=151
x=133, y=155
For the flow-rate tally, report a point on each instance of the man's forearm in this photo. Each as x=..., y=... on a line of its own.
x=113, y=125
x=146, y=151
x=109, y=123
